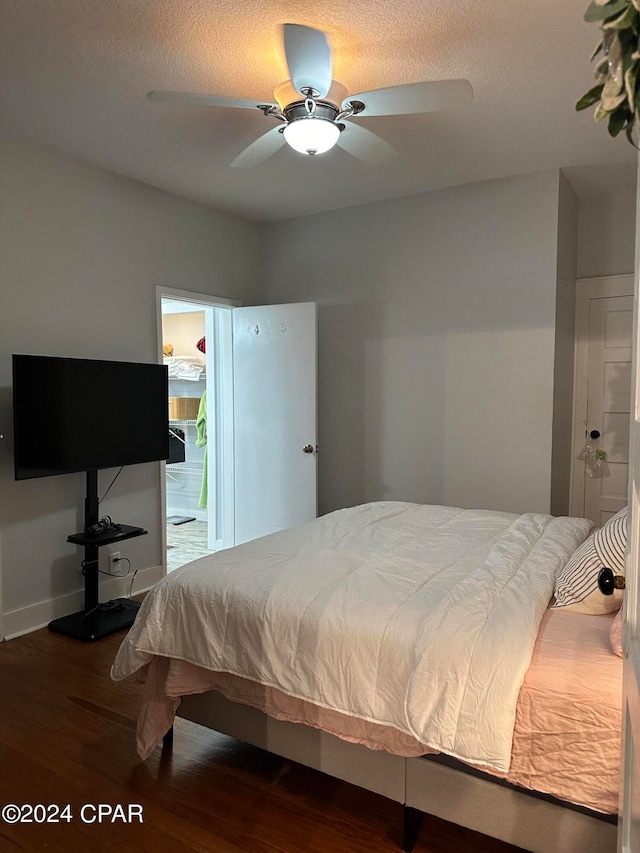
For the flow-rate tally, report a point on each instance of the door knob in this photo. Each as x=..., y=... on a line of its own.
x=595, y=433
x=608, y=582
x=308, y=448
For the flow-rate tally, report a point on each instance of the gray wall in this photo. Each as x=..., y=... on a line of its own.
x=436, y=342
x=606, y=234
x=564, y=349
x=439, y=318
x=81, y=250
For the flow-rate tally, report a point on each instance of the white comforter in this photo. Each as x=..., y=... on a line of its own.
x=418, y=617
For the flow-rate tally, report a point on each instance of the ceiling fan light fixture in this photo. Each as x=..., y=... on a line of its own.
x=311, y=134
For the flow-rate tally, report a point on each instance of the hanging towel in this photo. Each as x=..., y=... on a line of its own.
x=201, y=441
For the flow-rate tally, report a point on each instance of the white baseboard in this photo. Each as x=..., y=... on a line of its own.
x=35, y=616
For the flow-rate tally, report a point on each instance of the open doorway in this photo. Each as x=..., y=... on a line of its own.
x=195, y=334
x=243, y=421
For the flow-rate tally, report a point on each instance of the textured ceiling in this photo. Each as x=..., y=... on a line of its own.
x=74, y=75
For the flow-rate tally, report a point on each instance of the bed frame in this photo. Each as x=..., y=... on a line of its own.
x=431, y=784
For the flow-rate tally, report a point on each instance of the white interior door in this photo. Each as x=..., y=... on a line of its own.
x=275, y=417
x=602, y=392
x=609, y=402
x=629, y=830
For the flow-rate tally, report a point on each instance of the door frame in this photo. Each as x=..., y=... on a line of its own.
x=199, y=300
x=597, y=287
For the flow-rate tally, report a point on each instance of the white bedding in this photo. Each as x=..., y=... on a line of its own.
x=418, y=617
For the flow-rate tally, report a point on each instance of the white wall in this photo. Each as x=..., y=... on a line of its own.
x=564, y=349
x=439, y=319
x=81, y=250
x=606, y=234
x=436, y=342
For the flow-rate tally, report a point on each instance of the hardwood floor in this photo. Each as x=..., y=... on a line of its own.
x=67, y=736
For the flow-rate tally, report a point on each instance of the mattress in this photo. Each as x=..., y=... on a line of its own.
x=566, y=739
x=421, y=618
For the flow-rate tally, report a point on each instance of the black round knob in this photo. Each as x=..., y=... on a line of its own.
x=595, y=433
x=606, y=583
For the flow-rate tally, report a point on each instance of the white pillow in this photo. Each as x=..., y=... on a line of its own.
x=577, y=584
x=615, y=634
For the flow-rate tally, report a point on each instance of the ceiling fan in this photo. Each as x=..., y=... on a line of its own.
x=309, y=118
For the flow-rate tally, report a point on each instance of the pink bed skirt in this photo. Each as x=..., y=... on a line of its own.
x=567, y=735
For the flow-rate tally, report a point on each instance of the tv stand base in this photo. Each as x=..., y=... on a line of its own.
x=99, y=622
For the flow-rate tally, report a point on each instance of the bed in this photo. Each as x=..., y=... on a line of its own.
x=408, y=649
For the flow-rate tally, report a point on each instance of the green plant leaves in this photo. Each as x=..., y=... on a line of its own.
x=596, y=12
x=623, y=21
x=588, y=100
x=617, y=121
x=617, y=94
x=630, y=84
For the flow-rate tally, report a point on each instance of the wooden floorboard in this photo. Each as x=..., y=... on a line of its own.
x=67, y=736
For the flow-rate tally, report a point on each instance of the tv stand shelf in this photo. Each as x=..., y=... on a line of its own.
x=97, y=620
x=109, y=537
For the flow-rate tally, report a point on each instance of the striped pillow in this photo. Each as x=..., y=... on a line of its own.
x=577, y=585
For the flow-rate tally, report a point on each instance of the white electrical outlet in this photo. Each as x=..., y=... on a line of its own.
x=114, y=557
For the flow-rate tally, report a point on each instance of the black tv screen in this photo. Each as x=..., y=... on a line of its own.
x=75, y=414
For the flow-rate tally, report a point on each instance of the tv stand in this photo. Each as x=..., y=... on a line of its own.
x=97, y=620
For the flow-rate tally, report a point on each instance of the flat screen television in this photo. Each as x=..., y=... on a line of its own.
x=76, y=414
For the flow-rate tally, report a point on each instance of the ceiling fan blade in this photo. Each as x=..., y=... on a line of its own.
x=308, y=58
x=414, y=98
x=203, y=100
x=257, y=152
x=365, y=145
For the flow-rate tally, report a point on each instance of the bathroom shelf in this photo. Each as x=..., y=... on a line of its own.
x=183, y=468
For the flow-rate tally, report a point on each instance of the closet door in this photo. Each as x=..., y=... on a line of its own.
x=275, y=417
x=603, y=385
x=609, y=403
